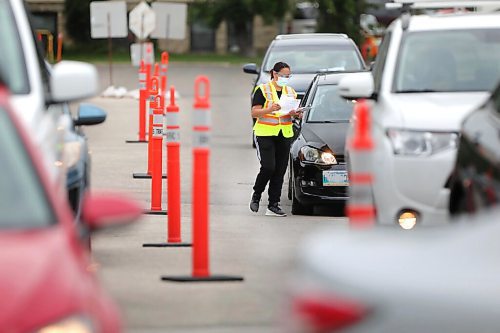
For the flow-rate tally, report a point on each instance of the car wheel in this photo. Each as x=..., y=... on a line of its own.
x=297, y=207
x=290, y=184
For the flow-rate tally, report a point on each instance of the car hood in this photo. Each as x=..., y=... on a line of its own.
x=435, y=111
x=331, y=134
x=299, y=82
x=41, y=281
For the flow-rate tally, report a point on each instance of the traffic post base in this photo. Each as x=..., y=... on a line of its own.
x=145, y=175
x=155, y=212
x=180, y=244
x=211, y=278
x=136, y=141
x=201, y=172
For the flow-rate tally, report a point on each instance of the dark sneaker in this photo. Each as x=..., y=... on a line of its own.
x=275, y=210
x=254, y=203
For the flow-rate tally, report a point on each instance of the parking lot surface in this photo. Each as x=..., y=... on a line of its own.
x=259, y=248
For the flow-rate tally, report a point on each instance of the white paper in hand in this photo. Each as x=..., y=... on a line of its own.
x=288, y=104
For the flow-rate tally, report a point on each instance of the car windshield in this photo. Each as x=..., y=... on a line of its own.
x=314, y=58
x=22, y=201
x=12, y=65
x=328, y=106
x=449, y=61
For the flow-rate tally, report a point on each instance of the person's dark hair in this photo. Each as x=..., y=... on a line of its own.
x=278, y=66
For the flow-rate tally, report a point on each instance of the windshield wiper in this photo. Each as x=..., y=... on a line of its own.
x=328, y=121
x=409, y=91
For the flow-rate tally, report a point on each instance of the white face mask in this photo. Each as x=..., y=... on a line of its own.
x=282, y=81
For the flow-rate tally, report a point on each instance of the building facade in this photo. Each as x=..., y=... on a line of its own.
x=49, y=15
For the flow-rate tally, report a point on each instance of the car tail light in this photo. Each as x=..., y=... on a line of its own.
x=321, y=314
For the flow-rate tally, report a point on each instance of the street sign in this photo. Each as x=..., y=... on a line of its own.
x=142, y=20
x=171, y=20
x=108, y=19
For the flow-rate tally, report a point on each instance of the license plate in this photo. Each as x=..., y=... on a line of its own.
x=335, y=178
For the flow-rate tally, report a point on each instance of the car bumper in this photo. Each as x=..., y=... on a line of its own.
x=309, y=187
x=412, y=183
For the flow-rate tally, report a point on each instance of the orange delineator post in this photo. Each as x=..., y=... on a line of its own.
x=142, y=102
x=156, y=150
x=172, y=136
x=200, y=214
x=143, y=86
x=163, y=73
x=173, y=170
x=59, y=47
x=154, y=90
x=360, y=208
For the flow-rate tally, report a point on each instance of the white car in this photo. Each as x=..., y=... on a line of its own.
x=431, y=71
x=34, y=90
x=433, y=280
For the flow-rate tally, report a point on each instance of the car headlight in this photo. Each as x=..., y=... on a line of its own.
x=76, y=324
x=416, y=143
x=316, y=156
x=72, y=152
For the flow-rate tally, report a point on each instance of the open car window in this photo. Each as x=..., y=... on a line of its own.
x=328, y=106
x=23, y=204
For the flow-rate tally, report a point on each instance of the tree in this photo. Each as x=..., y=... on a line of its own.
x=239, y=15
x=341, y=16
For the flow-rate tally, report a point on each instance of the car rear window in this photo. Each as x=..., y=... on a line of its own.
x=315, y=58
x=328, y=106
x=449, y=61
x=23, y=204
x=12, y=64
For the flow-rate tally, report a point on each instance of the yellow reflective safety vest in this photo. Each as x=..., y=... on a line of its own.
x=270, y=124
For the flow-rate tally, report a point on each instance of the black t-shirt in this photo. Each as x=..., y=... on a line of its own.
x=259, y=99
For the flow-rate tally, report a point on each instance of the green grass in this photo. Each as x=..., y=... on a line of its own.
x=123, y=56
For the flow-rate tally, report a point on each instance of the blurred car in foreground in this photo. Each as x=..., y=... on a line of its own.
x=435, y=280
x=307, y=55
x=77, y=155
x=475, y=181
x=430, y=73
x=318, y=172
x=46, y=283
x=34, y=89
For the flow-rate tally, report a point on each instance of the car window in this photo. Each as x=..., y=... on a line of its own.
x=449, y=61
x=22, y=200
x=313, y=58
x=379, y=65
x=12, y=62
x=327, y=105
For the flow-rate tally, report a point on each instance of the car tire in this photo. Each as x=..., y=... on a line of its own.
x=297, y=207
x=290, y=184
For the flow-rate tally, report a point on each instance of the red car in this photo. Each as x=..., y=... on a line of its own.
x=46, y=284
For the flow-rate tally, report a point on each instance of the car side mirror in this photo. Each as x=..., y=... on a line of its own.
x=89, y=114
x=251, y=69
x=356, y=85
x=72, y=80
x=101, y=211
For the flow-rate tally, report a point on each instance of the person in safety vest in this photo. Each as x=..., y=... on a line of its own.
x=273, y=136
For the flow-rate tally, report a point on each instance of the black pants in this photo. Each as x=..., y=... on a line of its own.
x=273, y=152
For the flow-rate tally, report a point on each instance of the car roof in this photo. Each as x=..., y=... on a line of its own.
x=331, y=78
x=312, y=39
x=453, y=21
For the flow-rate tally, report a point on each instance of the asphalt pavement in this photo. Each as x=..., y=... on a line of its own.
x=259, y=248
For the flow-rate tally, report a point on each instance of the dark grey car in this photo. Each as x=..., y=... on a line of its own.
x=308, y=55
